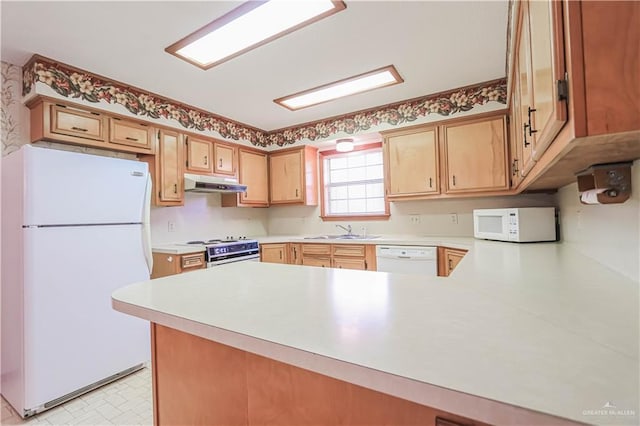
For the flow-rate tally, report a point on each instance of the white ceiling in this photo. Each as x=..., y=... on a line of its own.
x=435, y=45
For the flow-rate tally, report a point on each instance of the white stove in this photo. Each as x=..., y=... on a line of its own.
x=221, y=251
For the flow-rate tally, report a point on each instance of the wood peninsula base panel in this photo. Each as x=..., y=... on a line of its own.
x=200, y=382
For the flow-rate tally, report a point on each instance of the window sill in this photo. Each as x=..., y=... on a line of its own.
x=384, y=216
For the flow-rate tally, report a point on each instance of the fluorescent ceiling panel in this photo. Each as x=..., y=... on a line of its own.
x=248, y=26
x=375, y=79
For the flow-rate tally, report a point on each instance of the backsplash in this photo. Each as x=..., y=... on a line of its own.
x=434, y=217
x=608, y=233
x=202, y=217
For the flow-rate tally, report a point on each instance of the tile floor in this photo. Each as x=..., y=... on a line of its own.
x=125, y=402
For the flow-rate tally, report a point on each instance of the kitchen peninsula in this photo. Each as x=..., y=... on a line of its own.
x=519, y=334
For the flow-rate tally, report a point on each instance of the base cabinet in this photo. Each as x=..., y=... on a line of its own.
x=195, y=382
x=274, y=253
x=165, y=264
x=448, y=259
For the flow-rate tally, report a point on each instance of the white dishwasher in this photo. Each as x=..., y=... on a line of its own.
x=408, y=259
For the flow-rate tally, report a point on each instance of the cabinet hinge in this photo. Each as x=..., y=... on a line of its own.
x=563, y=89
x=508, y=120
x=187, y=164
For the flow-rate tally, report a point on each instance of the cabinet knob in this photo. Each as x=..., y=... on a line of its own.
x=220, y=163
x=129, y=138
x=80, y=129
x=206, y=160
x=454, y=180
x=430, y=183
x=524, y=136
x=175, y=188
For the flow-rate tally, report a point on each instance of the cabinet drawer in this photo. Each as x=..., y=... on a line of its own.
x=324, y=262
x=316, y=249
x=348, y=250
x=129, y=133
x=193, y=261
x=75, y=122
x=349, y=263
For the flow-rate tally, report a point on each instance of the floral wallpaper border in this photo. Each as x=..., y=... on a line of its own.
x=75, y=83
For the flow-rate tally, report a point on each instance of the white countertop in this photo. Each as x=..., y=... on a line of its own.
x=177, y=248
x=517, y=334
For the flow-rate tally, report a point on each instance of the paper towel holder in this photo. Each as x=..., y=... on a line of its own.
x=614, y=179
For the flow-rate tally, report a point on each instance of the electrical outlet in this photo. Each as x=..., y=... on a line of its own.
x=414, y=219
x=453, y=217
x=171, y=226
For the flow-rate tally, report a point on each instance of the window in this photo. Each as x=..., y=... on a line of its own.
x=353, y=185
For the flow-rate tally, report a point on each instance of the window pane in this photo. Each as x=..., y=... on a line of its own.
x=374, y=172
x=354, y=183
x=337, y=163
x=375, y=190
x=374, y=158
x=357, y=206
x=338, y=176
x=338, y=193
x=355, y=161
x=357, y=191
x=375, y=205
x=356, y=174
x=338, y=207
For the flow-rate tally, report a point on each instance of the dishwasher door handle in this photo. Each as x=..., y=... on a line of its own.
x=403, y=257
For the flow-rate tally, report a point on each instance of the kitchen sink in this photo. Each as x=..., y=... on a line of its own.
x=343, y=237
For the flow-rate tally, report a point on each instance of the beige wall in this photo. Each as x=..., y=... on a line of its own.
x=433, y=215
x=610, y=233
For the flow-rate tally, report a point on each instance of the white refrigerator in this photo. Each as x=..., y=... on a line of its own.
x=75, y=227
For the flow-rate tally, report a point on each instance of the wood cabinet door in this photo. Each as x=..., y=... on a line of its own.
x=253, y=173
x=323, y=262
x=523, y=60
x=515, y=136
x=475, y=156
x=199, y=155
x=224, y=159
x=76, y=122
x=286, y=173
x=452, y=259
x=170, y=166
x=547, y=67
x=412, y=163
x=295, y=254
x=129, y=133
x=349, y=263
x=273, y=253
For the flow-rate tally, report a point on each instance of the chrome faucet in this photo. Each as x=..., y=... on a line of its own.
x=347, y=228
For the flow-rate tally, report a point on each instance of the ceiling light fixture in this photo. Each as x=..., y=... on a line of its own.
x=248, y=26
x=376, y=79
x=344, y=145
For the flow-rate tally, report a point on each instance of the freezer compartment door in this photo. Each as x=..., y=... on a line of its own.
x=73, y=338
x=64, y=187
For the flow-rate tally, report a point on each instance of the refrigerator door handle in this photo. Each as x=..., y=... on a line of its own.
x=146, y=224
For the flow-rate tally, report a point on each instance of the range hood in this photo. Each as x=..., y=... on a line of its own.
x=202, y=183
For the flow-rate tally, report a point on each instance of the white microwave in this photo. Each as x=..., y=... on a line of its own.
x=518, y=225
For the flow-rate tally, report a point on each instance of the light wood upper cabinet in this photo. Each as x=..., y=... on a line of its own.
x=224, y=159
x=475, y=156
x=541, y=42
x=66, y=120
x=199, y=155
x=130, y=133
x=293, y=176
x=523, y=87
x=411, y=164
x=253, y=172
x=170, y=163
x=274, y=253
